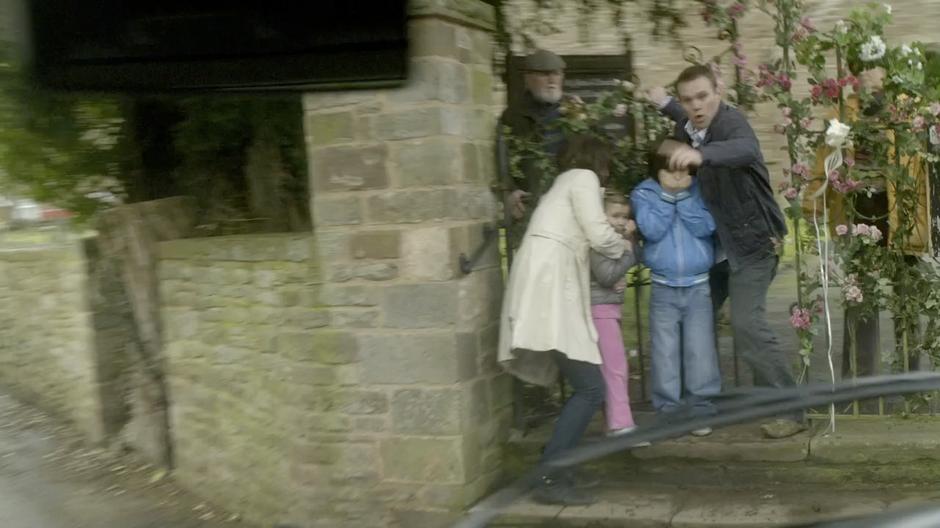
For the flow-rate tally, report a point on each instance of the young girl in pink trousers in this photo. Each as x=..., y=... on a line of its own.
x=607, y=286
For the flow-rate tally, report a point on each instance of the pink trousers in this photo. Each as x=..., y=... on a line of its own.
x=614, y=365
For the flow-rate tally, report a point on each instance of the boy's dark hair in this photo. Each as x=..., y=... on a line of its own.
x=656, y=161
x=658, y=157
x=695, y=72
x=584, y=151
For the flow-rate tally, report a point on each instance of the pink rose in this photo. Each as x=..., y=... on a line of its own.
x=786, y=111
x=801, y=319
x=842, y=229
x=736, y=10
x=850, y=162
x=853, y=294
x=808, y=24
x=799, y=34
x=816, y=91
x=800, y=169
x=806, y=122
x=875, y=233
x=791, y=193
x=740, y=60
x=862, y=229
x=918, y=123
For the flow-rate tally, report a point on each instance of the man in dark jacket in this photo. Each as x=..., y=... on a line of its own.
x=532, y=120
x=720, y=145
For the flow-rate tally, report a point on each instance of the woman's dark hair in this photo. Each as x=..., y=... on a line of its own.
x=584, y=151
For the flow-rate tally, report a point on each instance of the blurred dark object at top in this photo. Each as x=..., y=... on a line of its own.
x=169, y=45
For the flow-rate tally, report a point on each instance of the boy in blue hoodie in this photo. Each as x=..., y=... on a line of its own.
x=679, y=250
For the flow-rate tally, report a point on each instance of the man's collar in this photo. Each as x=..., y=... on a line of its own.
x=701, y=136
x=534, y=107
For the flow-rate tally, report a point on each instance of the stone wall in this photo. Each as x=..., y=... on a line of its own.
x=47, y=341
x=299, y=398
x=348, y=377
x=247, y=355
x=400, y=183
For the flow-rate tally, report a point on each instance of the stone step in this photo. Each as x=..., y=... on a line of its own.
x=872, y=441
x=758, y=506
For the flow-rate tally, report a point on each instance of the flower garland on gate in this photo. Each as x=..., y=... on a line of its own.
x=897, y=139
x=629, y=152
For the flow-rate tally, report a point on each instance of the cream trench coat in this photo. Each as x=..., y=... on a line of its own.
x=547, y=304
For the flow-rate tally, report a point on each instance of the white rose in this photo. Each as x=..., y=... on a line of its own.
x=920, y=66
x=934, y=136
x=628, y=86
x=837, y=133
x=874, y=49
x=906, y=50
x=887, y=8
x=842, y=27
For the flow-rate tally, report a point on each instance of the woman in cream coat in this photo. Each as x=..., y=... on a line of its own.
x=546, y=318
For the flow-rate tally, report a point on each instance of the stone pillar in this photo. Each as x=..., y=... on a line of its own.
x=400, y=182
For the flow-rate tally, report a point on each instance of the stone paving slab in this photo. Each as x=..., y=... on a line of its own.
x=739, y=443
x=885, y=441
x=761, y=509
x=756, y=507
x=637, y=509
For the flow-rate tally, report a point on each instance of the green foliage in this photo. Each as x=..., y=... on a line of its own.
x=888, y=148
x=629, y=162
x=72, y=149
x=60, y=149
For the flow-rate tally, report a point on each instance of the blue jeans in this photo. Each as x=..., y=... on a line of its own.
x=684, y=368
x=588, y=397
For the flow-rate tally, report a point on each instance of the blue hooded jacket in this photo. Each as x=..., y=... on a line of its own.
x=678, y=229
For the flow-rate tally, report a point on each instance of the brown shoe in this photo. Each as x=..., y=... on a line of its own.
x=782, y=428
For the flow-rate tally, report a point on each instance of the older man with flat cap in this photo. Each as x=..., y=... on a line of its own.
x=531, y=119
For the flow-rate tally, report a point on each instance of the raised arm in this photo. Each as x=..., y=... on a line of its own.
x=589, y=212
x=665, y=103
x=673, y=110
x=739, y=149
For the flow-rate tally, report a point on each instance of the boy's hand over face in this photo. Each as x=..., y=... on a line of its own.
x=674, y=183
x=685, y=158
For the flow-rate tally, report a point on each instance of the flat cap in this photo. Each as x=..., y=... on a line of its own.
x=543, y=60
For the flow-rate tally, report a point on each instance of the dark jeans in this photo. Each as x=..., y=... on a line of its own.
x=588, y=385
x=754, y=341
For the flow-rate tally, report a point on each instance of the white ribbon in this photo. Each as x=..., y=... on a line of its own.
x=836, y=136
